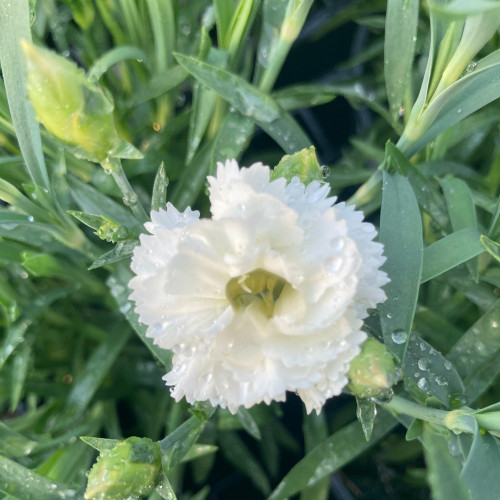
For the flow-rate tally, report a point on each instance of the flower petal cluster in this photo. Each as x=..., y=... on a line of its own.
x=265, y=297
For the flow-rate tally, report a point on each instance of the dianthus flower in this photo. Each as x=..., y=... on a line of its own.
x=265, y=297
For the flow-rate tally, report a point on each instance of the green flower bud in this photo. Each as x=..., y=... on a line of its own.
x=68, y=105
x=128, y=470
x=303, y=165
x=372, y=372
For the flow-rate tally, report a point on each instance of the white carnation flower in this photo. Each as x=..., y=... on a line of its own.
x=265, y=297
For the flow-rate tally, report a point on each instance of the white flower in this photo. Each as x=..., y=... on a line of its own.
x=265, y=297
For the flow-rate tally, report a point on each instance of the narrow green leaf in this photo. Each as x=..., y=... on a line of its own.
x=475, y=350
x=159, y=197
x=203, y=107
x=232, y=138
x=250, y=102
x=303, y=96
x=122, y=250
x=451, y=251
x=248, y=423
x=91, y=201
x=427, y=369
x=400, y=35
x=21, y=482
x=178, y=443
x=20, y=366
x=112, y=57
x=15, y=334
x=158, y=86
x=460, y=203
x=14, y=26
x=480, y=471
x=13, y=444
x=401, y=234
x=461, y=8
x=118, y=285
x=97, y=367
x=444, y=471
x=223, y=12
x=332, y=454
x=163, y=22
x=239, y=456
x=315, y=429
x=492, y=247
x=459, y=100
x=164, y=489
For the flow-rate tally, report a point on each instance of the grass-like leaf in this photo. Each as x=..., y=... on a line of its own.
x=14, y=26
x=250, y=102
x=400, y=36
x=401, y=234
x=332, y=454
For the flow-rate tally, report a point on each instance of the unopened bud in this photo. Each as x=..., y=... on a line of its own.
x=128, y=470
x=372, y=372
x=68, y=105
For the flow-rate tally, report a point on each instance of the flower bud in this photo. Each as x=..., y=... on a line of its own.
x=302, y=164
x=129, y=469
x=68, y=105
x=372, y=372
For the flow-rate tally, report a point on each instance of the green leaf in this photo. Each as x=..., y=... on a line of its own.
x=13, y=444
x=476, y=355
x=20, y=366
x=239, y=456
x=401, y=234
x=303, y=165
x=460, y=204
x=479, y=470
x=331, y=455
x=400, y=36
x=42, y=264
x=159, y=197
x=459, y=100
x=118, y=285
x=250, y=102
x=248, y=423
x=122, y=250
x=91, y=201
x=203, y=107
x=112, y=57
x=366, y=412
x=163, y=23
x=164, y=489
x=14, y=26
x=224, y=10
x=430, y=371
x=158, y=86
x=21, y=482
x=178, y=443
x=15, y=334
x=232, y=138
x=444, y=471
x=492, y=247
x=461, y=8
x=303, y=96
x=97, y=367
x=451, y=251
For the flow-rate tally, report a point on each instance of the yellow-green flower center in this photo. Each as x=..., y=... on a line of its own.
x=259, y=286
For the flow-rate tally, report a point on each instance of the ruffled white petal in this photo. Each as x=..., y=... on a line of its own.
x=233, y=357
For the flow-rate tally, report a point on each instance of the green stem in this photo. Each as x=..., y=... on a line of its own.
x=457, y=420
x=271, y=73
x=129, y=195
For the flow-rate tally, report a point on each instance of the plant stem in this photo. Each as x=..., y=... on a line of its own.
x=456, y=420
x=129, y=196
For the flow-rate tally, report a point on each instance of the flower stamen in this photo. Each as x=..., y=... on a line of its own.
x=259, y=286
